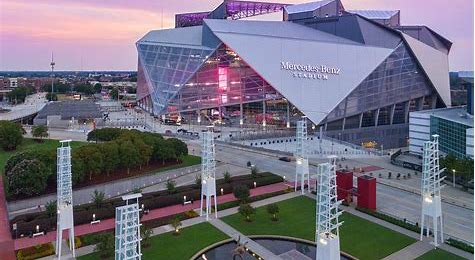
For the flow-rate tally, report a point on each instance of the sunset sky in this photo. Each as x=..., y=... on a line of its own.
x=101, y=34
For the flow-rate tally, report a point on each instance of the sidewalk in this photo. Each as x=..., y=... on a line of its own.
x=154, y=214
x=406, y=232
x=236, y=235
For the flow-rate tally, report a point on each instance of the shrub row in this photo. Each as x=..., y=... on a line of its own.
x=35, y=252
x=460, y=245
x=26, y=224
x=392, y=220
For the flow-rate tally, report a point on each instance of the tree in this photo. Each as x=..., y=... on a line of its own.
x=51, y=208
x=10, y=135
x=198, y=180
x=28, y=177
x=254, y=172
x=105, y=245
x=98, y=198
x=92, y=158
x=273, y=210
x=241, y=192
x=51, y=96
x=39, y=131
x=129, y=155
x=179, y=147
x=97, y=88
x=176, y=224
x=227, y=177
x=114, y=94
x=246, y=211
x=111, y=158
x=145, y=233
x=171, y=186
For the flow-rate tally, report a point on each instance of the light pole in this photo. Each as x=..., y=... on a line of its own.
x=52, y=75
x=453, y=178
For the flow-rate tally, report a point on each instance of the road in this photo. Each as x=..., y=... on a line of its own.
x=458, y=221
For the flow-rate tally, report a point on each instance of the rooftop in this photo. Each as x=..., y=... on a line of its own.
x=306, y=7
x=375, y=14
x=84, y=109
x=454, y=114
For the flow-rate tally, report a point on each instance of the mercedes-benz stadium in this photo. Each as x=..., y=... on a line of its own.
x=356, y=74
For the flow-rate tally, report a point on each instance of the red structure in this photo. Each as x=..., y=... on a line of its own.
x=367, y=192
x=344, y=182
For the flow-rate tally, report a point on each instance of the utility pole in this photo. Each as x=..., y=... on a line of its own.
x=52, y=75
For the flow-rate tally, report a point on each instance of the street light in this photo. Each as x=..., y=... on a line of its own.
x=453, y=177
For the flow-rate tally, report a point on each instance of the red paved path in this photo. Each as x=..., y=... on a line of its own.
x=6, y=241
x=154, y=214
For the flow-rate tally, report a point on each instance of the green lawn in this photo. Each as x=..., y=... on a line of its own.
x=439, y=254
x=188, y=160
x=167, y=246
x=30, y=145
x=358, y=237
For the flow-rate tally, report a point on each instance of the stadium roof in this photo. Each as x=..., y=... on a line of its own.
x=307, y=7
x=375, y=14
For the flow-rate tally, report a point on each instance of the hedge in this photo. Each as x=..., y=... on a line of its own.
x=460, y=245
x=392, y=220
x=26, y=224
x=35, y=252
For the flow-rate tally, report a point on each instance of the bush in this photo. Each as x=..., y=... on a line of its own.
x=51, y=208
x=171, y=186
x=227, y=177
x=176, y=224
x=35, y=252
x=105, y=245
x=254, y=172
x=273, y=210
x=241, y=192
x=39, y=131
x=246, y=211
x=11, y=135
x=98, y=198
x=460, y=245
x=145, y=233
x=27, y=177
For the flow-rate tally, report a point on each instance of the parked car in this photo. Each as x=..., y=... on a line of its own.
x=285, y=159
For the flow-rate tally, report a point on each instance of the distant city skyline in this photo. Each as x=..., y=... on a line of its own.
x=101, y=35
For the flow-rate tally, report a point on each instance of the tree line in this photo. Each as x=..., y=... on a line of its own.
x=29, y=173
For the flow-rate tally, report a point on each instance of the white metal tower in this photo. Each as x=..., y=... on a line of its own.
x=327, y=236
x=430, y=190
x=301, y=157
x=127, y=229
x=64, y=197
x=208, y=173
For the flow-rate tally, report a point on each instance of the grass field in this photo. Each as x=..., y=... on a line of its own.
x=358, y=237
x=168, y=246
x=30, y=145
x=188, y=160
x=439, y=254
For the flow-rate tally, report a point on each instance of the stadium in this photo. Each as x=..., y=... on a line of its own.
x=355, y=74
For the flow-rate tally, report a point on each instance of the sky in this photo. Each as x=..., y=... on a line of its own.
x=101, y=34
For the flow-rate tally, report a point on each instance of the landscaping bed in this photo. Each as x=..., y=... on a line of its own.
x=296, y=218
x=26, y=224
x=183, y=246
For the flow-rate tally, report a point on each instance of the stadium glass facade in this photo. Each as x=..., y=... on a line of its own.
x=205, y=80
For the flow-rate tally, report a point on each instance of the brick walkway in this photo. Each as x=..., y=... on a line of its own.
x=154, y=214
x=6, y=241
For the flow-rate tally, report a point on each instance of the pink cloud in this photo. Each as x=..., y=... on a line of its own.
x=102, y=34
